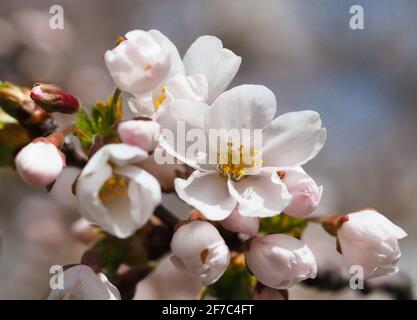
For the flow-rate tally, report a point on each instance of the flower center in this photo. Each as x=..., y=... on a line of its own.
x=158, y=102
x=235, y=163
x=114, y=187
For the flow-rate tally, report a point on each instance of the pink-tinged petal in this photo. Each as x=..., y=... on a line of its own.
x=306, y=194
x=241, y=224
x=280, y=261
x=39, y=163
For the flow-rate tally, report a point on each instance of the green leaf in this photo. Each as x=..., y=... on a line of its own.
x=235, y=284
x=102, y=120
x=84, y=129
x=283, y=224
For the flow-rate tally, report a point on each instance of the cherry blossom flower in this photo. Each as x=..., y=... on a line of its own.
x=370, y=240
x=199, y=250
x=139, y=63
x=204, y=73
x=253, y=182
x=114, y=193
x=280, y=261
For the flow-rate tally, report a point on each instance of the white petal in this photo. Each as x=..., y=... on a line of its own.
x=245, y=106
x=141, y=106
x=82, y=283
x=138, y=64
x=370, y=223
x=219, y=65
x=176, y=63
x=292, y=139
x=262, y=195
x=121, y=216
x=193, y=88
x=208, y=193
x=177, y=119
x=144, y=194
x=39, y=163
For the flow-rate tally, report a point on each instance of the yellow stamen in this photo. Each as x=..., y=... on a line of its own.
x=115, y=187
x=236, y=171
x=161, y=99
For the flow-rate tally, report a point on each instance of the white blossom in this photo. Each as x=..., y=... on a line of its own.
x=139, y=63
x=215, y=189
x=204, y=73
x=114, y=193
x=370, y=240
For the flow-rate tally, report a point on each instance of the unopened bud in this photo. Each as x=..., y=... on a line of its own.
x=306, y=194
x=235, y=222
x=199, y=250
x=84, y=231
x=53, y=99
x=280, y=261
x=140, y=133
x=39, y=163
x=370, y=240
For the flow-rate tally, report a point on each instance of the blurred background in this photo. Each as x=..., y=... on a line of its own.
x=362, y=82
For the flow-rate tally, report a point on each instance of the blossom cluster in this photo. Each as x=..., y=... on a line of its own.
x=120, y=186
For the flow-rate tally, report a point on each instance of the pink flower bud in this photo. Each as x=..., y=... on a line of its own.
x=140, y=133
x=84, y=231
x=39, y=163
x=370, y=240
x=280, y=261
x=235, y=222
x=53, y=99
x=199, y=250
x=305, y=193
